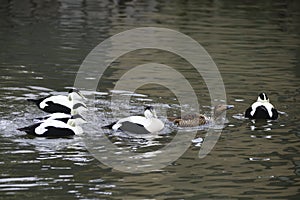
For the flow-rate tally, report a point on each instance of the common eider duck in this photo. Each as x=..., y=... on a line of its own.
x=192, y=120
x=61, y=103
x=53, y=128
x=139, y=124
x=262, y=109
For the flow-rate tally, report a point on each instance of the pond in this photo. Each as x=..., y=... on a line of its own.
x=255, y=46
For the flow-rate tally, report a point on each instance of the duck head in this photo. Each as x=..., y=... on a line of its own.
x=149, y=112
x=77, y=129
x=263, y=98
x=75, y=94
x=220, y=108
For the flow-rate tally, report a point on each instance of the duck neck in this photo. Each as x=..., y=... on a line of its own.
x=149, y=115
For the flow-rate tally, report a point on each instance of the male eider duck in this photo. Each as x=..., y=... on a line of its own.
x=138, y=124
x=60, y=103
x=191, y=120
x=53, y=128
x=262, y=109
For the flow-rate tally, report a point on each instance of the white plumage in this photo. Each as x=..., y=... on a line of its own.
x=138, y=124
x=53, y=128
x=60, y=103
x=64, y=118
x=262, y=109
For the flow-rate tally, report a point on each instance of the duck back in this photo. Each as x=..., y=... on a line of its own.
x=54, y=108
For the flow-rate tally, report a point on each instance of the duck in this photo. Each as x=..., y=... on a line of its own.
x=53, y=128
x=61, y=103
x=262, y=109
x=196, y=119
x=139, y=124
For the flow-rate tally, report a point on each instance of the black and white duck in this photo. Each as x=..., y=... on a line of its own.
x=139, y=124
x=192, y=120
x=262, y=109
x=53, y=128
x=61, y=103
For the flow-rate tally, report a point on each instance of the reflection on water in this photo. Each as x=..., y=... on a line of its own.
x=255, y=46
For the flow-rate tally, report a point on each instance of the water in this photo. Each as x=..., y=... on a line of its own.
x=255, y=46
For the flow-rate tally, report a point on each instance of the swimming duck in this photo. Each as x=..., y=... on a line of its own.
x=60, y=103
x=262, y=109
x=138, y=124
x=191, y=120
x=53, y=128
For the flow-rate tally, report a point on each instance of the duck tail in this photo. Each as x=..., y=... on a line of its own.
x=109, y=126
x=23, y=129
x=33, y=100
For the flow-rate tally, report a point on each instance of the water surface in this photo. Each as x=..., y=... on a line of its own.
x=255, y=46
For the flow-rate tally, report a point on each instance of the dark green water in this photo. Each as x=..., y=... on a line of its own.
x=256, y=46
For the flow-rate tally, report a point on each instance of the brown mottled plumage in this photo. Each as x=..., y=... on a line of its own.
x=191, y=120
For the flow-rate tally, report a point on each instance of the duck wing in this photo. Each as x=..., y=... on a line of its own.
x=190, y=120
x=133, y=128
x=248, y=113
x=133, y=124
x=190, y=116
x=54, y=108
x=109, y=126
x=57, y=132
x=30, y=129
x=275, y=114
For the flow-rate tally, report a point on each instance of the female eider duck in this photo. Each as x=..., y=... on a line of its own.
x=192, y=120
x=60, y=103
x=138, y=124
x=262, y=109
x=53, y=128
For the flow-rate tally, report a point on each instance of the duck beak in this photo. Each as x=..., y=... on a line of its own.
x=81, y=95
x=154, y=113
x=76, y=116
x=229, y=107
x=78, y=105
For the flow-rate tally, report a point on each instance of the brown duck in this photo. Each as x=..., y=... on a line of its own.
x=191, y=120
